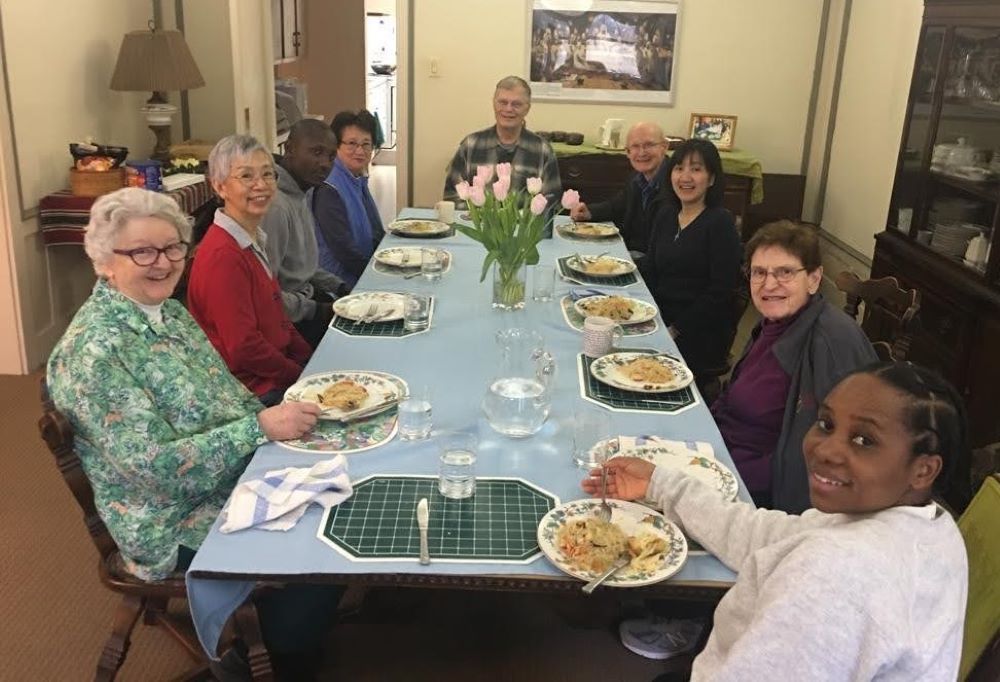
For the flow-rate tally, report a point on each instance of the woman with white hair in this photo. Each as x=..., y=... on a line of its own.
x=163, y=430
x=233, y=292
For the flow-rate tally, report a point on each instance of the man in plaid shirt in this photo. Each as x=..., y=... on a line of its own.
x=507, y=142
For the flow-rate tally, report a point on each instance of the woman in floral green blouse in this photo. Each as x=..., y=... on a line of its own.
x=162, y=428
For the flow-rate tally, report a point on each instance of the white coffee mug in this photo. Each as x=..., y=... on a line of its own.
x=445, y=211
x=600, y=336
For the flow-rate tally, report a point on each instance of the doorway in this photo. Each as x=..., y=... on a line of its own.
x=381, y=98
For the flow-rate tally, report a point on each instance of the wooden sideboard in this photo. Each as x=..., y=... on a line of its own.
x=598, y=177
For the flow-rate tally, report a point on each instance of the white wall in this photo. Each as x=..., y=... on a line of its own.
x=878, y=65
x=751, y=59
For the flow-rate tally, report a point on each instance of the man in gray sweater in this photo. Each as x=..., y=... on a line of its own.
x=307, y=291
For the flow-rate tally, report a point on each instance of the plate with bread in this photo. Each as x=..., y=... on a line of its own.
x=342, y=394
x=642, y=372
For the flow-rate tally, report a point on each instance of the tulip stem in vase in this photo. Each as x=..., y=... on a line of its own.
x=509, y=224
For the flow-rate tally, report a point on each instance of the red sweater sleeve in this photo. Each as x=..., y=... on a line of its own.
x=228, y=303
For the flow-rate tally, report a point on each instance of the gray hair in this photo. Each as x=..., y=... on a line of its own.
x=227, y=151
x=511, y=83
x=111, y=212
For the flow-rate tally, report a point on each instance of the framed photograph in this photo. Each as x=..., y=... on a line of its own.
x=719, y=129
x=621, y=51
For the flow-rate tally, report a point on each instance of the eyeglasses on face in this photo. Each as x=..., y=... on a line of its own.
x=644, y=147
x=353, y=146
x=782, y=274
x=147, y=255
x=248, y=178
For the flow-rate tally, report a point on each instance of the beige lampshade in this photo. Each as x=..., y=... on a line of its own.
x=155, y=61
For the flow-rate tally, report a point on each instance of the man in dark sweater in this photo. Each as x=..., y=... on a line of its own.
x=635, y=206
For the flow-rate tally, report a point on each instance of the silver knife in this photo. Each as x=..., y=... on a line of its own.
x=423, y=516
x=371, y=409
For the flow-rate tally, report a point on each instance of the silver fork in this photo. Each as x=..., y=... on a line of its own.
x=604, y=512
x=372, y=309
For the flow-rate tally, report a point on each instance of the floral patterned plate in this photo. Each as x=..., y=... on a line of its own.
x=380, y=389
x=418, y=227
x=708, y=470
x=641, y=311
x=631, y=518
x=388, y=306
x=400, y=256
x=331, y=436
x=589, y=230
x=608, y=369
x=616, y=266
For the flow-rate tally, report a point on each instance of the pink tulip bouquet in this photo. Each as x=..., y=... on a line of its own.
x=509, y=223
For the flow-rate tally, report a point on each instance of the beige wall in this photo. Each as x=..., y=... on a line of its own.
x=207, y=32
x=730, y=61
x=334, y=64
x=878, y=66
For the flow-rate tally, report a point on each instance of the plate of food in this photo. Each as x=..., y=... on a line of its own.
x=708, y=470
x=641, y=372
x=621, y=309
x=341, y=392
x=600, y=266
x=579, y=543
x=400, y=256
x=590, y=230
x=373, y=306
x=418, y=227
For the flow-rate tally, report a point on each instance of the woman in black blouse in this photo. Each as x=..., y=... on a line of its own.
x=692, y=266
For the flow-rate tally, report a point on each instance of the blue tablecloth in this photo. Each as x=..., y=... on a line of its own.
x=457, y=359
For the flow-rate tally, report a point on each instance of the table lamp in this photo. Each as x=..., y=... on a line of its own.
x=156, y=61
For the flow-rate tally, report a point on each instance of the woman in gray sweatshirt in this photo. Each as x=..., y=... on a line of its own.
x=871, y=583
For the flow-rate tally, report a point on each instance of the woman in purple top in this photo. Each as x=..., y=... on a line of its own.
x=798, y=351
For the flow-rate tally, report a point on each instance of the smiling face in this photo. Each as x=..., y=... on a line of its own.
x=691, y=179
x=248, y=189
x=150, y=284
x=646, y=148
x=355, y=150
x=859, y=453
x=310, y=158
x=777, y=300
x=510, y=106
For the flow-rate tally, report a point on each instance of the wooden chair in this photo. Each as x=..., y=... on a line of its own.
x=139, y=598
x=890, y=317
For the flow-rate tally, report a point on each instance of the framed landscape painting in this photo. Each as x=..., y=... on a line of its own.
x=603, y=51
x=719, y=129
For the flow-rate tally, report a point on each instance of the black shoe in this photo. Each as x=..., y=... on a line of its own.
x=232, y=667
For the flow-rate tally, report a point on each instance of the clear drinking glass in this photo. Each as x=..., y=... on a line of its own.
x=414, y=414
x=457, y=460
x=431, y=264
x=591, y=425
x=543, y=283
x=416, y=314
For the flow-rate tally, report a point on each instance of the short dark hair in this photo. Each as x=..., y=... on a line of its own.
x=798, y=239
x=306, y=129
x=362, y=119
x=713, y=164
x=936, y=418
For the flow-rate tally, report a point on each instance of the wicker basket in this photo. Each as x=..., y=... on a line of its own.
x=95, y=183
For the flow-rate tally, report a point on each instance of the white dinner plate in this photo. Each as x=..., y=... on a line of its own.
x=389, y=306
x=590, y=230
x=622, y=266
x=641, y=311
x=418, y=227
x=608, y=370
x=632, y=518
x=379, y=386
x=400, y=256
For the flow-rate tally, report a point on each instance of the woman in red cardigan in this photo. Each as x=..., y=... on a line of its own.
x=232, y=291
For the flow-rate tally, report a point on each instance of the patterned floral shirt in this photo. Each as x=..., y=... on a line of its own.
x=163, y=430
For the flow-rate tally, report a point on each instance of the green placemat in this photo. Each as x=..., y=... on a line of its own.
x=497, y=524
x=390, y=330
x=575, y=320
x=631, y=401
x=441, y=235
x=620, y=281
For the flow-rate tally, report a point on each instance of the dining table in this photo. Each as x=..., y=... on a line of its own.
x=457, y=358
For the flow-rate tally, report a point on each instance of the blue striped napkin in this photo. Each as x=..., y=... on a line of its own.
x=576, y=294
x=279, y=499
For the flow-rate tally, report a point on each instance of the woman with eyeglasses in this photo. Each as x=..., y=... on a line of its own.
x=799, y=350
x=233, y=292
x=348, y=226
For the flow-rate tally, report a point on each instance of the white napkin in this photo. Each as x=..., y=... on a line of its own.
x=681, y=447
x=279, y=499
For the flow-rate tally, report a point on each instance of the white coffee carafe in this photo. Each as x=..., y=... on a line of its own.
x=612, y=133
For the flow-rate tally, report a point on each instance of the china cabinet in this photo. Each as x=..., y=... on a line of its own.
x=942, y=230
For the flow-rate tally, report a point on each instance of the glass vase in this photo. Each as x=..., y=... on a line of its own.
x=508, y=286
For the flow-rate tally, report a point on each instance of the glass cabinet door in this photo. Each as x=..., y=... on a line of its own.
x=961, y=196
